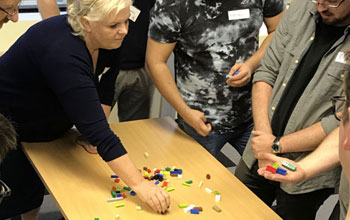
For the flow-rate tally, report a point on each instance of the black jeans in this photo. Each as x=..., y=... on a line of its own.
x=289, y=206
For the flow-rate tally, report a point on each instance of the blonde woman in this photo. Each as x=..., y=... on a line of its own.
x=55, y=76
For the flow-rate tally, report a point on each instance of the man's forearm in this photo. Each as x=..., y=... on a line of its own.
x=306, y=139
x=261, y=94
x=325, y=157
x=165, y=83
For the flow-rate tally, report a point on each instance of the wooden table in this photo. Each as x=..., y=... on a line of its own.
x=80, y=182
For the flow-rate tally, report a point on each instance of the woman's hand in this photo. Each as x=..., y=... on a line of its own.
x=153, y=195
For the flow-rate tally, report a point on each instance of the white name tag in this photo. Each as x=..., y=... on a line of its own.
x=238, y=14
x=134, y=13
x=105, y=70
x=340, y=57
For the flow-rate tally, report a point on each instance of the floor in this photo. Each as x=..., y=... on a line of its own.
x=229, y=157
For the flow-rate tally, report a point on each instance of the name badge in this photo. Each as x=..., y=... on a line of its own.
x=105, y=70
x=340, y=58
x=134, y=13
x=238, y=14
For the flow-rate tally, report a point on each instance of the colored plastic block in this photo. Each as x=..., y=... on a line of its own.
x=189, y=182
x=208, y=190
x=198, y=208
x=170, y=189
x=157, y=182
x=114, y=176
x=271, y=169
x=218, y=198
x=275, y=165
x=281, y=171
x=119, y=205
x=208, y=176
x=114, y=199
x=117, y=180
x=146, y=155
x=167, y=169
x=138, y=208
x=216, y=192
x=127, y=188
x=217, y=209
x=113, y=193
x=200, y=184
x=194, y=211
x=289, y=166
x=186, y=184
x=183, y=205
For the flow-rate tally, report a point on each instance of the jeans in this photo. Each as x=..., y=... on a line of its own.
x=214, y=142
x=302, y=206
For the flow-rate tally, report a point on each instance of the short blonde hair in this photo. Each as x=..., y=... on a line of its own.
x=92, y=10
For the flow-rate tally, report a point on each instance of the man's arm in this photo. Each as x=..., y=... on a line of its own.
x=48, y=8
x=325, y=157
x=246, y=69
x=157, y=55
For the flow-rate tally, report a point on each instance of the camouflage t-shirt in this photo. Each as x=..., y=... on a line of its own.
x=211, y=36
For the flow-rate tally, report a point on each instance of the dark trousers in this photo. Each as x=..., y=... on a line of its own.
x=289, y=206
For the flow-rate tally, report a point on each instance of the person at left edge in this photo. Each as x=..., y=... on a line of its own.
x=8, y=11
x=49, y=82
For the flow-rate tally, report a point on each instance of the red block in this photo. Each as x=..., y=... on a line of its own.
x=124, y=196
x=156, y=171
x=117, y=180
x=114, y=189
x=165, y=184
x=149, y=170
x=208, y=176
x=271, y=169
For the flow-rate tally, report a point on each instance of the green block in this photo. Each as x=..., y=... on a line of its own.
x=189, y=182
x=167, y=169
x=183, y=205
x=119, y=205
x=114, y=194
x=170, y=189
x=275, y=165
x=216, y=192
x=127, y=188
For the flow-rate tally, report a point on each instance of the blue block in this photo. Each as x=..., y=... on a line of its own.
x=194, y=211
x=132, y=193
x=281, y=171
x=114, y=176
x=157, y=182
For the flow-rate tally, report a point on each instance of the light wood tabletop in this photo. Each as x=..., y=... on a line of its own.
x=81, y=184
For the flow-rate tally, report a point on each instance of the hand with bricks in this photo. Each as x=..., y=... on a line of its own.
x=295, y=172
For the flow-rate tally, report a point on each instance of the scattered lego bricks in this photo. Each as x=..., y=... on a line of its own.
x=146, y=155
x=289, y=166
x=160, y=175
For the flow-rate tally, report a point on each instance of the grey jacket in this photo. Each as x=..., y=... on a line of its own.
x=291, y=41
